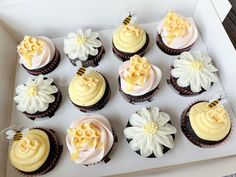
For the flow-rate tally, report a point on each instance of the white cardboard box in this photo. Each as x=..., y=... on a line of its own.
x=19, y=19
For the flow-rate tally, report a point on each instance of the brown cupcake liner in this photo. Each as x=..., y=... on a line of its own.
x=100, y=104
x=169, y=50
x=124, y=56
x=47, y=68
x=55, y=152
x=138, y=99
x=51, y=108
x=165, y=149
x=190, y=134
x=107, y=158
x=91, y=61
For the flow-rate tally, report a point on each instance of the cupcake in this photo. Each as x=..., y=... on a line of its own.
x=129, y=39
x=90, y=139
x=89, y=90
x=176, y=34
x=206, y=124
x=38, y=98
x=150, y=133
x=34, y=151
x=84, y=47
x=192, y=74
x=38, y=55
x=138, y=79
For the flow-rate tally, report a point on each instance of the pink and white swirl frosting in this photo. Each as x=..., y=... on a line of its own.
x=89, y=139
x=35, y=52
x=177, y=32
x=138, y=76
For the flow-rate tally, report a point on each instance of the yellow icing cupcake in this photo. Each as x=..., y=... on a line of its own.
x=129, y=39
x=206, y=124
x=88, y=89
x=34, y=151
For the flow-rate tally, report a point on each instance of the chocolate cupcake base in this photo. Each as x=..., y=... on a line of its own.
x=124, y=56
x=54, y=155
x=47, y=68
x=191, y=135
x=92, y=60
x=51, y=108
x=138, y=99
x=169, y=50
x=165, y=149
x=100, y=104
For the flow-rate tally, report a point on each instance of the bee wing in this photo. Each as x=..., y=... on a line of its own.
x=24, y=130
x=218, y=95
x=124, y=13
x=10, y=134
x=78, y=63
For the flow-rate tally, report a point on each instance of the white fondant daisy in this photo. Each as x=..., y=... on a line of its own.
x=82, y=44
x=35, y=95
x=150, y=132
x=194, y=70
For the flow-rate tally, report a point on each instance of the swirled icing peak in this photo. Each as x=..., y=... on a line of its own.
x=175, y=25
x=129, y=38
x=138, y=76
x=82, y=44
x=87, y=89
x=30, y=47
x=31, y=151
x=150, y=132
x=212, y=124
x=35, y=95
x=89, y=139
x=35, y=52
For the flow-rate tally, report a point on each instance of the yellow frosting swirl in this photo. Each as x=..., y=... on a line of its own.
x=129, y=38
x=29, y=47
x=87, y=89
x=176, y=26
x=31, y=151
x=212, y=124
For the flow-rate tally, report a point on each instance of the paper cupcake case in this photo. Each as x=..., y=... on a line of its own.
x=192, y=137
x=56, y=149
x=47, y=68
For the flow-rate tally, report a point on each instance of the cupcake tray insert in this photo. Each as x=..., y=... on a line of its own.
x=118, y=112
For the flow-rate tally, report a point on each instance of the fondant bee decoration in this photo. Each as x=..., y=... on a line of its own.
x=81, y=71
x=214, y=103
x=16, y=134
x=218, y=99
x=127, y=20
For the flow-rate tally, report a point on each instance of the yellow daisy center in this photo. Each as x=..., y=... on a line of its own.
x=150, y=128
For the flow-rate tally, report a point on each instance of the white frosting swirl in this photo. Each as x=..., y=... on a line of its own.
x=84, y=147
x=194, y=70
x=82, y=44
x=180, y=42
x=150, y=131
x=155, y=75
x=35, y=95
x=40, y=60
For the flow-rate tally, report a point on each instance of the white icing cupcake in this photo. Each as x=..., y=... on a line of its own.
x=150, y=133
x=84, y=47
x=193, y=73
x=38, y=98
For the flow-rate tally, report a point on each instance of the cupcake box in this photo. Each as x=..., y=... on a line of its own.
x=212, y=40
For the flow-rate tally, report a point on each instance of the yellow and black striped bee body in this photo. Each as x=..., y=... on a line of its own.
x=81, y=71
x=127, y=19
x=17, y=136
x=214, y=103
